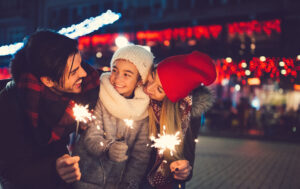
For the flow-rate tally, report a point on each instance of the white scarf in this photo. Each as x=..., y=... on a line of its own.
x=121, y=107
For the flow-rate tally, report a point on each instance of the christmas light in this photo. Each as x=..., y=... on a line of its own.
x=262, y=58
x=281, y=63
x=74, y=31
x=244, y=65
x=99, y=54
x=121, y=41
x=90, y=25
x=237, y=87
x=10, y=49
x=228, y=59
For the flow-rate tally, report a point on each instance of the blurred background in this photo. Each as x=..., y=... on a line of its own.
x=254, y=43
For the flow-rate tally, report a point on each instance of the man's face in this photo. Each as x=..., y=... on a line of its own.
x=71, y=81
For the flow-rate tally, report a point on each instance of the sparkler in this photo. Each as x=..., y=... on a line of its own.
x=82, y=114
x=166, y=141
x=129, y=125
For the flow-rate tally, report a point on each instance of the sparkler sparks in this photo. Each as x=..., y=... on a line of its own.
x=82, y=114
x=129, y=123
x=166, y=141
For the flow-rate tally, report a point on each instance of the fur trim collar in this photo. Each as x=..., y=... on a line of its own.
x=203, y=99
x=119, y=106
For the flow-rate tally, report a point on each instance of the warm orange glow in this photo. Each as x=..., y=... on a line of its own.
x=105, y=69
x=297, y=87
x=167, y=43
x=254, y=132
x=253, y=81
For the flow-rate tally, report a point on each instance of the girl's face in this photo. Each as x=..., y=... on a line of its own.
x=153, y=87
x=124, y=77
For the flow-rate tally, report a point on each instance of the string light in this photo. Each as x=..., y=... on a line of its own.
x=87, y=26
x=91, y=24
x=228, y=59
x=262, y=58
x=244, y=65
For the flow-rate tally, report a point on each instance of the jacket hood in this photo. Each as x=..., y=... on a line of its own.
x=203, y=99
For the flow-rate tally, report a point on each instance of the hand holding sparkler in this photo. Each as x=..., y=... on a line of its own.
x=181, y=169
x=166, y=141
x=117, y=151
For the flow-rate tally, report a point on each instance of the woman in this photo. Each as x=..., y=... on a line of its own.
x=178, y=98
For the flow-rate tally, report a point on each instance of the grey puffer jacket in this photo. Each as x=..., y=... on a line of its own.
x=98, y=171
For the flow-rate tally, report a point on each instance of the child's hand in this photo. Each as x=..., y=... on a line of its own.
x=117, y=151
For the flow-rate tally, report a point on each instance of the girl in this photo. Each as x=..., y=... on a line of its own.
x=113, y=150
x=177, y=102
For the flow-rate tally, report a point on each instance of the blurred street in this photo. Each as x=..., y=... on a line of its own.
x=247, y=164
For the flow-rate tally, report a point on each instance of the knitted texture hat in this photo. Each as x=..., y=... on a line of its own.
x=138, y=55
x=181, y=74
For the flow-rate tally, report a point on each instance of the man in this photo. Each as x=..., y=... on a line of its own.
x=36, y=112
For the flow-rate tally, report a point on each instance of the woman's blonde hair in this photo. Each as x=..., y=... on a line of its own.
x=170, y=117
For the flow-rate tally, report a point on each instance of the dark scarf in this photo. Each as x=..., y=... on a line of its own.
x=49, y=114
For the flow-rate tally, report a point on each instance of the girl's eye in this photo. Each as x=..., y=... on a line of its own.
x=126, y=75
x=114, y=70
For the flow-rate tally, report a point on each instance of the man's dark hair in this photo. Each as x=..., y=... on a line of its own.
x=45, y=53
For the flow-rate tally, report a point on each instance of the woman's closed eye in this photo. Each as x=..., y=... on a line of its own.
x=159, y=89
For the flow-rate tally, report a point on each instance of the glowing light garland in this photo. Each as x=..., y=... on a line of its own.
x=10, y=49
x=90, y=25
x=74, y=31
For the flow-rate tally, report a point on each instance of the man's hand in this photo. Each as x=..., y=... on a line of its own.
x=117, y=151
x=181, y=169
x=67, y=168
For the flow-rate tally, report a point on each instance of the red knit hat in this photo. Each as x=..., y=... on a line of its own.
x=181, y=74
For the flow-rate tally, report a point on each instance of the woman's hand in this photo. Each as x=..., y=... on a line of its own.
x=181, y=169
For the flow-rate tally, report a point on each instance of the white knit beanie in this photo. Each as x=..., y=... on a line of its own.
x=138, y=55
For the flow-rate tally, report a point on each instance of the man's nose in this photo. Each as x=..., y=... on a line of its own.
x=82, y=72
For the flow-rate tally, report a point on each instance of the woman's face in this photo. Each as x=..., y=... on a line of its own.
x=153, y=87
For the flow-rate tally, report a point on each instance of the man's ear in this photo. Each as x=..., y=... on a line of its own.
x=47, y=81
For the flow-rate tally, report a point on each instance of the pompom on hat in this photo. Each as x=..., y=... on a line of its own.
x=138, y=55
x=181, y=74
